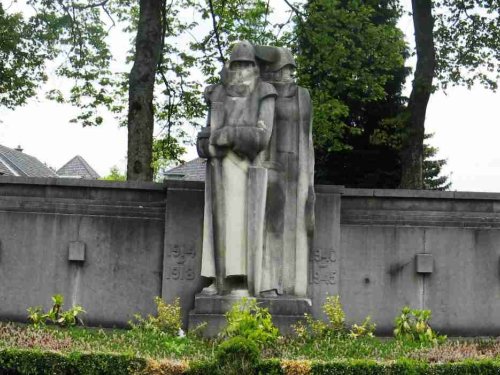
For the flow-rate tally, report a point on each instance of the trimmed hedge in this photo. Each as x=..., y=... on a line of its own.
x=365, y=367
x=35, y=362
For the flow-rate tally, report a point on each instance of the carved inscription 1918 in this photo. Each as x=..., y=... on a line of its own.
x=181, y=263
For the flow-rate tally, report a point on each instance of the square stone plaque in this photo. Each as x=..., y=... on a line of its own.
x=425, y=263
x=76, y=251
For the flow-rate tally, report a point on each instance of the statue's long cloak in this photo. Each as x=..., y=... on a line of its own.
x=226, y=191
x=290, y=195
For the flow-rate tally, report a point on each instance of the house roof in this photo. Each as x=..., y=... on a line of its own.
x=17, y=163
x=193, y=170
x=78, y=168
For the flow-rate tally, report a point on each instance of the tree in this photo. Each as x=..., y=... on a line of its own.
x=24, y=47
x=432, y=178
x=457, y=42
x=74, y=34
x=413, y=147
x=141, y=87
x=233, y=21
x=351, y=56
x=114, y=175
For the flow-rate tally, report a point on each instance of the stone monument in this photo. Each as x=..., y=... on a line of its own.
x=259, y=192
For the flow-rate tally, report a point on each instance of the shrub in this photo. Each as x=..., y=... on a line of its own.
x=248, y=320
x=237, y=355
x=312, y=328
x=296, y=367
x=165, y=366
x=335, y=313
x=34, y=362
x=168, y=319
x=56, y=315
x=413, y=325
x=366, y=329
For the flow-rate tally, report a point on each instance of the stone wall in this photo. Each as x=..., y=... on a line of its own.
x=44, y=225
x=432, y=250
x=378, y=249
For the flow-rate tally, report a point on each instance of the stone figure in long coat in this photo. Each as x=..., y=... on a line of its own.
x=259, y=196
x=239, y=128
x=290, y=197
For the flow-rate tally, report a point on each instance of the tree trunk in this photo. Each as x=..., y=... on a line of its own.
x=413, y=146
x=141, y=87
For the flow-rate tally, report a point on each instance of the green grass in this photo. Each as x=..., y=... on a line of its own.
x=148, y=344
x=81, y=339
x=341, y=347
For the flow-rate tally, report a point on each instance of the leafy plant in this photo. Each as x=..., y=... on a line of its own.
x=311, y=328
x=413, y=325
x=168, y=318
x=335, y=313
x=36, y=316
x=248, y=320
x=366, y=329
x=56, y=315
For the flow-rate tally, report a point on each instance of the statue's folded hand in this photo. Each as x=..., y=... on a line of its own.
x=250, y=141
x=222, y=137
x=205, y=148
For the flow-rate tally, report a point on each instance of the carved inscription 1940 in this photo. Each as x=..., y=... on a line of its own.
x=322, y=266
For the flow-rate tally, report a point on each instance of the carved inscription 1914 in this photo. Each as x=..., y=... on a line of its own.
x=181, y=263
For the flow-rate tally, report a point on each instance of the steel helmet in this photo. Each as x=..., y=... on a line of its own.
x=274, y=58
x=243, y=51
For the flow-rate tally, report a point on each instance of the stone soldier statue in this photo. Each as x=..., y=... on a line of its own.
x=235, y=140
x=289, y=222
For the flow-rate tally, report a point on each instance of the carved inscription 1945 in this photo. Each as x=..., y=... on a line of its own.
x=323, y=268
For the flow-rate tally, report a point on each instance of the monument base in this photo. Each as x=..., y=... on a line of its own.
x=285, y=311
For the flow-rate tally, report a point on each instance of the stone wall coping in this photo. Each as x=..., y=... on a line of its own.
x=329, y=189
x=420, y=194
x=76, y=182
x=184, y=185
x=199, y=185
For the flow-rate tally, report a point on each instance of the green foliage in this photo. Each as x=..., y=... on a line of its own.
x=348, y=52
x=78, y=43
x=433, y=180
x=335, y=313
x=165, y=151
x=351, y=55
x=237, y=355
x=24, y=47
x=248, y=320
x=235, y=20
x=467, y=38
x=366, y=329
x=34, y=362
x=413, y=325
x=56, y=315
x=335, y=328
x=115, y=175
x=168, y=319
x=311, y=328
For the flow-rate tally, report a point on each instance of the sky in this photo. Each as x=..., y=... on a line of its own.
x=466, y=124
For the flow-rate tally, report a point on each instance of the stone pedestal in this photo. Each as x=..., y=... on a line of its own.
x=285, y=311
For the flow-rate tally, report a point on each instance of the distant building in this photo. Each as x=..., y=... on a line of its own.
x=193, y=170
x=14, y=162
x=78, y=168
